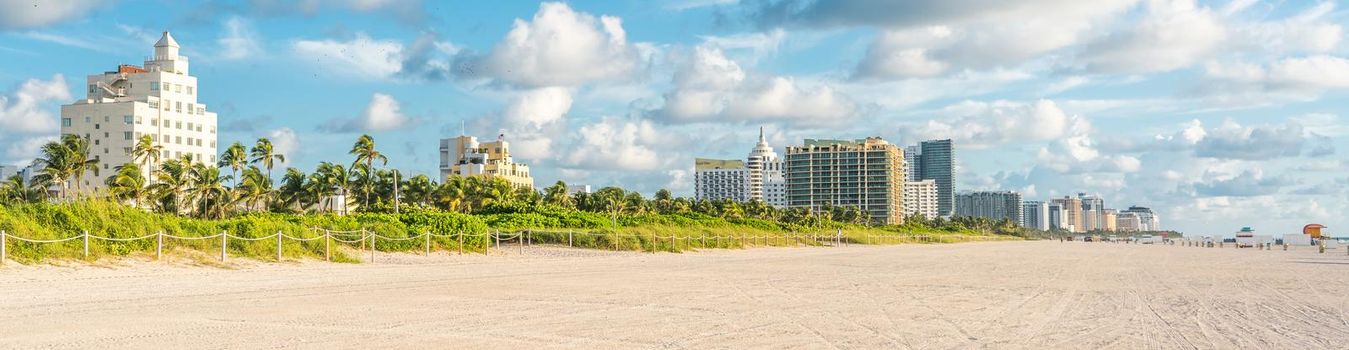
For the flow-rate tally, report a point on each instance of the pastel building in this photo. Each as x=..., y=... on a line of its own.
x=920, y=197
x=867, y=174
x=996, y=205
x=1035, y=215
x=465, y=156
x=158, y=99
x=720, y=179
x=766, y=182
x=1067, y=214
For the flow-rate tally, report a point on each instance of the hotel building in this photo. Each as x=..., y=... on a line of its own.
x=867, y=174
x=465, y=156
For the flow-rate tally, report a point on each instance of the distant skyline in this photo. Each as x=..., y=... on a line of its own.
x=1218, y=114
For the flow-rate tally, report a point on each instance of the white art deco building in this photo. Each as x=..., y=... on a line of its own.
x=759, y=177
x=158, y=99
x=766, y=182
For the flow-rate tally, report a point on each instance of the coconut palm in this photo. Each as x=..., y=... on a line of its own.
x=263, y=152
x=292, y=191
x=235, y=158
x=64, y=162
x=452, y=195
x=332, y=179
x=172, y=182
x=128, y=184
x=15, y=190
x=418, y=190
x=146, y=153
x=208, y=189
x=365, y=152
x=557, y=195
x=255, y=190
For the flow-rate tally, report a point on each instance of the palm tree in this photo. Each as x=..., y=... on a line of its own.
x=208, y=187
x=79, y=148
x=128, y=184
x=263, y=152
x=418, y=189
x=15, y=190
x=332, y=179
x=173, y=180
x=452, y=195
x=255, y=191
x=235, y=157
x=365, y=152
x=557, y=195
x=146, y=153
x=292, y=189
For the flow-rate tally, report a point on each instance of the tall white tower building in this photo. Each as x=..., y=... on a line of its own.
x=158, y=99
x=766, y=182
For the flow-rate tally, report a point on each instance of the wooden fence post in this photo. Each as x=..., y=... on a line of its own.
x=461, y=242
x=2, y=247
x=428, y=242
x=498, y=237
x=327, y=245
x=86, y=245
x=673, y=246
x=521, y=236
x=372, y=247
x=159, y=248
x=224, y=244
x=569, y=239
x=278, y=245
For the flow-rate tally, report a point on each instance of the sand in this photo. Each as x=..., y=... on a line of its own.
x=1030, y=295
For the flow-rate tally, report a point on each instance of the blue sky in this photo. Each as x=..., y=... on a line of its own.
x=1219, y=114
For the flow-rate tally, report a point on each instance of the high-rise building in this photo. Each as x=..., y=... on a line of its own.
x=1035, y=215
x=1056, y=217
x=720, y=179
x=1127, y=222
x=465, y=156
x=1093, y=212
x=920, y=197
x=766, y=182
x=1110, y=216
x=867, y=174
x=1069, y=214
x=996, y=205
x=1148, y=219
x=158, y=99
x=935, y=160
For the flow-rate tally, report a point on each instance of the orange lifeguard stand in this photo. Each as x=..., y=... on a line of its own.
x=1313, y=230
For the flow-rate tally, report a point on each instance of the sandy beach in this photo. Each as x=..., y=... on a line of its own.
x=995, y=295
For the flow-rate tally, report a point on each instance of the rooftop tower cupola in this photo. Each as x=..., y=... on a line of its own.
x=166, y=48
x=166, y=58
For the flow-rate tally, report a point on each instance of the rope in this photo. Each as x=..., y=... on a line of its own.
x=351, y=241
x=192, y=238
x=122, y=239
x=398, y=239
x=253, y=239
x=302, y=239
x=44, y=241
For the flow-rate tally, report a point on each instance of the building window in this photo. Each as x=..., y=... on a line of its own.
x=96, y=141
x=93, y=88
x=107, y=119
x=154, y=86
x=96, y=126
x=178, y=88
x=189, y=90
x=128, y=119
x=154, y=104
x=201, y=110
x=88, y=119
x=190, y=108
x=166, y=105
x=65, y=121
x=178, y=106
x=138, y=120
x=178, y=140
x=177, y=125
x=126, y=135
x=126, y=150
x=154, y=121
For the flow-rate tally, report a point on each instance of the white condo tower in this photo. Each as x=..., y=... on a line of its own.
x=159, y=99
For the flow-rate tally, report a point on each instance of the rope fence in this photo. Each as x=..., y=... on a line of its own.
x=368, y=241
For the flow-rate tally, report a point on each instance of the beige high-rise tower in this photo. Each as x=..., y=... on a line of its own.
x=158, y=99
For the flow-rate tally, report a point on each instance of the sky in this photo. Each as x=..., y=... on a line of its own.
x=1217, y=114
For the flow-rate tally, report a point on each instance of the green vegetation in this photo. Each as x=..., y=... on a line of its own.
x=188, y=198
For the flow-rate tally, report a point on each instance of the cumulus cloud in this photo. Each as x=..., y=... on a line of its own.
x=711, y=87
x=368, y=58
x=239, y=40
x=559, y=47
x=977, y=124
x=29, y=14
x=382, y=114
x=284, y=142
x=27, y=109
x=534, y=119
x=623, y=145
x=1293, y=78
x=1231, y=140
x=1173, y=34
x=1247, y=184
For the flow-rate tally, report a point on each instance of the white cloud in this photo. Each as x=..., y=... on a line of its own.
x=382, y=114
x=1235, y=141
x=22, y=151
x=30, y=14
x=561, y=47
x=977, y=124
x=533, y=119
x=28, y=109
x=285, y=142
x=1288, y=79
x=711, y=87
x=239, y=40
x=1173, y=34
x=623, y=145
